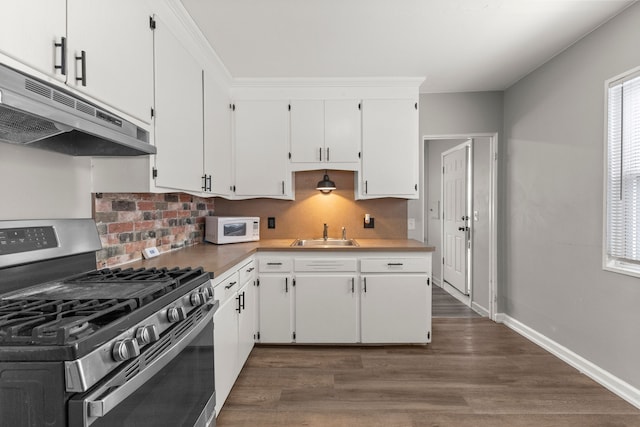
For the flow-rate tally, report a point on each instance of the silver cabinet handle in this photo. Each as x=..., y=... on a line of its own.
x=327, y=154
x=63, y=56
x=320, y=150
x=83, y=66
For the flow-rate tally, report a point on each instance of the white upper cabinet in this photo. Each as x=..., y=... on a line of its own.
x=218, y=153
x=110, y=53
x=103, y=49
x=390, y=149
x=261, y=149
x=179, y=118
x=325, y=134
x=33, y=33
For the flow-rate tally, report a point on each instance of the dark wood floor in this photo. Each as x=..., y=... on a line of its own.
x=474, y=373
x=445, y=305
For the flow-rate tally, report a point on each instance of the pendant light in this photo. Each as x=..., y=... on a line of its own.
x=326, y=185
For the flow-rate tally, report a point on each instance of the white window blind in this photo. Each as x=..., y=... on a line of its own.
x=623, y=174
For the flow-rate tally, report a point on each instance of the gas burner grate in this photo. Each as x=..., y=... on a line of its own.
x=62, y=312
x=57, y=322
x=107, y=275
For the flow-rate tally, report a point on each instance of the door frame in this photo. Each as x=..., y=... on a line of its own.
x=493, y=207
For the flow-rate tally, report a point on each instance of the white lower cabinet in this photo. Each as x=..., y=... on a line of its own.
x=395, y=299
x=331, y=298
x=326, y=308
x=247, y=311
x=275, y=309
x=225, y=350
x=396, y=308
x=234, y=324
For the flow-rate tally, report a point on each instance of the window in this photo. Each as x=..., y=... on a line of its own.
x=622, y=236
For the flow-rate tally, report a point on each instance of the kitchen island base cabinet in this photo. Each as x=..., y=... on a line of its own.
x=396, y=309
x=326, y=309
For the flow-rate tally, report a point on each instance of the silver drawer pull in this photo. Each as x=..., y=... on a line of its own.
x=274, y=263
x=395, y=264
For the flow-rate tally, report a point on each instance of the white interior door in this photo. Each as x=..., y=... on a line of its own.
x=455, y=216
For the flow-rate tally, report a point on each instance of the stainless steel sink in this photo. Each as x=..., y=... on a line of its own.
x=324, y=243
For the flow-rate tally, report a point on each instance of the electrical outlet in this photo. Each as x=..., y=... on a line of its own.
x=371, y=223
x=411, y=224
x=271, y=222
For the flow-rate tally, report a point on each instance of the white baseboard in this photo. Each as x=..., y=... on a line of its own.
x=604, y=378
x=479, y=309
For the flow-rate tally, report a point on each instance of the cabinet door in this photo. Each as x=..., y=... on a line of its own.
x=307, y=131
x=118, y=43
x=342, y=130
x=390, y=148
x=217, y=136
x=178, y=93
x=395, y=308
x=225, y=348
x=326, y=309
x=29, y=30
x=261, y=143
x=275, y=309
x=246, y=322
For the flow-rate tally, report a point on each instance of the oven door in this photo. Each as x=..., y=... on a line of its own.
x=171, y=383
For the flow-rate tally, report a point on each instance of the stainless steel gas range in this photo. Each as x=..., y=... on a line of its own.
x=111, y=347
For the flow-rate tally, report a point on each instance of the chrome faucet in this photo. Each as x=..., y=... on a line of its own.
x=344, y=233
x=325, y=232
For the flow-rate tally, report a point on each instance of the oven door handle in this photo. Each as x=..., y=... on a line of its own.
x=102, y=400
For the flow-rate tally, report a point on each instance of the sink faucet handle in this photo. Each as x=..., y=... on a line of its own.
x=325, y=231
x=344, y=233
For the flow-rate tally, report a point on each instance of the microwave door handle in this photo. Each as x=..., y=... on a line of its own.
x=97, y=404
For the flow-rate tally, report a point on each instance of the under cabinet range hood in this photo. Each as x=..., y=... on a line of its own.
x=38, y=114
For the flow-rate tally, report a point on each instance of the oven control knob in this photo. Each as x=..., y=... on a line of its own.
x=208, y=290
x=198, y=298
x=147, y=334
x=125, y=349
x=176, y=314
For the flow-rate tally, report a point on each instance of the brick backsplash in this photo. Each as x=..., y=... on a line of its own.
x=129, y=222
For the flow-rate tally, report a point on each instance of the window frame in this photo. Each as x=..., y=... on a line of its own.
x=611, y=263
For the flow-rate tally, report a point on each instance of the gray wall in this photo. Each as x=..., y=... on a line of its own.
x=40, y=184
x=452, y=114
x=552, y=254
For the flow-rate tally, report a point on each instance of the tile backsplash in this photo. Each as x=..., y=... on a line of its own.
x=129, y=222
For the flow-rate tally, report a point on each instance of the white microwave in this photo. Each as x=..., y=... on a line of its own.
x=231, y=229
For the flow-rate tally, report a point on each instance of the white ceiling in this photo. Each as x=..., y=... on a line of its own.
x=457, y=45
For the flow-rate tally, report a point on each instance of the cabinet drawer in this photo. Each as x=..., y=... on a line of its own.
x=324, y=264
x=247, y=272
x=389, y=265
x=275, y=264
x=226, y=287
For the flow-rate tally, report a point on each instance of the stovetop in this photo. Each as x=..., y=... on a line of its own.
x=76, y=314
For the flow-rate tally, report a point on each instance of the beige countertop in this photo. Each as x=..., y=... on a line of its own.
x=217, y=259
